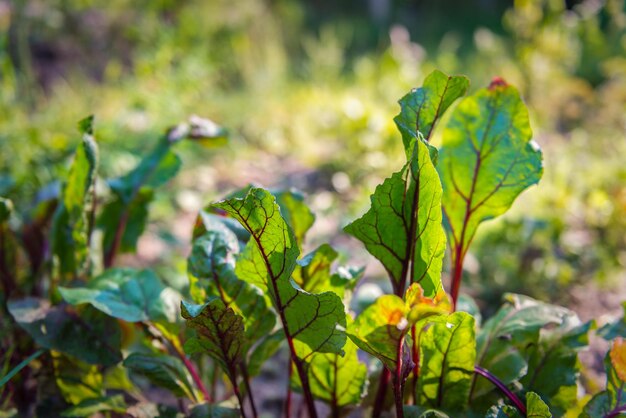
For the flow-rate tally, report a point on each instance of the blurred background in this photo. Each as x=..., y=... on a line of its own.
x=308, y=90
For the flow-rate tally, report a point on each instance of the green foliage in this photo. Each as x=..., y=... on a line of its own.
x=254, y=291
x=60, y=327
x=447, y=357
x=69, y=225
x=163, y=371
x=402, y=229
x=127, y=294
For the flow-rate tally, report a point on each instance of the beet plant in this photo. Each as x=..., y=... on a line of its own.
x=104, y=338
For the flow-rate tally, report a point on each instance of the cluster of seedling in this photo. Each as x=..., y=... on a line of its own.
x=253, y=295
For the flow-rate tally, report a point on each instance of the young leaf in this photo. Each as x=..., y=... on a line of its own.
x=163, y=371
x=422, y=107
x=219, y=333
x=295, y=212
x=340, y=381
x=268, y=261
x=127, y=294
x=447, y=355
x=64, y=329
x=536, y=407
x=211, y=266
x=402, y=228
x=487, y=159
x=313, y=273
x=69, y=225
x=380, y=325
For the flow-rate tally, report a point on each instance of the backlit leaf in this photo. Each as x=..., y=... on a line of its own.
x=219, y=333
x=340, y=381
x=486, y=160
x=403, y=228
x=422, y=107
x=447, y=356
x=536, y=407
x=76, y=380
x=268, y=261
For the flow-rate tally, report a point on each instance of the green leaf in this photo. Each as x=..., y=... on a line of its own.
x=613, y=399
x=76, y=380
x=163, y=371
x=90, y=407
x=503, y=343
x=268, y=261
x=211, y=266
x=402, y=228
x=487, y=159
x=264, y=350
x=536, y=407
x=313, y=273
x=295, y=212
x=213, y=411
x=128, y=294
x=69, y=225
x=413, y=411
x=132, y=194
x=503, y=411
x=556, y=354
x=219, y=333
x=86, y=334
x=337, y=380
x=447, y=356
x=422, y=107
x=379, y=329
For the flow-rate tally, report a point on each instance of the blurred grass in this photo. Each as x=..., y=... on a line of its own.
x=312, y=88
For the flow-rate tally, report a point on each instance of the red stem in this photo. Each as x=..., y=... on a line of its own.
x=194, y=374
x=457, y=274
x=502, y=387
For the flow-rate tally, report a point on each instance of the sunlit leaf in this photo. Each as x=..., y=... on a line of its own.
x=219, y=333
x=268, y=261
x=447, y=356
x=313, y=273
x=403, y=228
x=340, y=381
x=211, y=266
x=486, y=160
x=422, y=107
x=379, y=329
x=536, y=407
